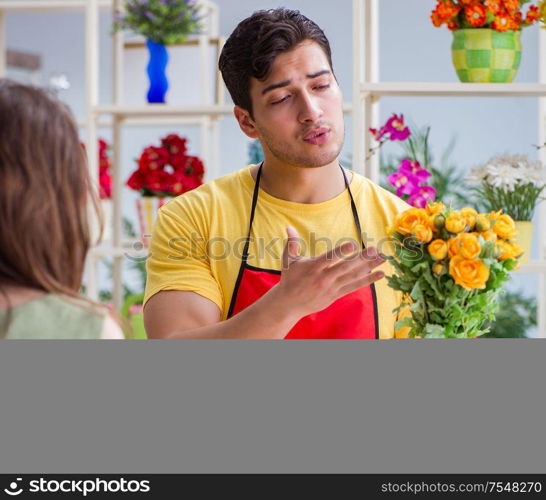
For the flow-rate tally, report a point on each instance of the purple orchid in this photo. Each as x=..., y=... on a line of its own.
x=404, y=184
x=396, y=127
x=414, y=169
x=421, y=196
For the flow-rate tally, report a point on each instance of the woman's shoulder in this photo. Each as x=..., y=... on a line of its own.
x=55, y=316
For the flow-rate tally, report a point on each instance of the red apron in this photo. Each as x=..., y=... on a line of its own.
x=353, y=316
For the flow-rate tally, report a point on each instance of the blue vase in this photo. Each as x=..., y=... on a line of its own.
x=156, y=71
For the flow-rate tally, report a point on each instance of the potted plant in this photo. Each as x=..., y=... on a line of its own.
x=486, y=45
x=513, y=183
x=163, y=172
x=450, y=265
x=410, y=178
x=162, y=23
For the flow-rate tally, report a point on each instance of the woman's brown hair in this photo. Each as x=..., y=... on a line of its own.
x=44, y=192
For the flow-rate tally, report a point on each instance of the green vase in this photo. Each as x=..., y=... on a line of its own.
x=484, y=55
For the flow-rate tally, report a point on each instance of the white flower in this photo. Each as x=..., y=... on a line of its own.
x=534, y=174
x=503, y=176
x=477, y=174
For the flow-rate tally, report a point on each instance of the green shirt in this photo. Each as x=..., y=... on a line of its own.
x=53, y=317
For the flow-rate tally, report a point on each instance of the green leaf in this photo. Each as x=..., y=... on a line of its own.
x=434, y=331
x=403, y=323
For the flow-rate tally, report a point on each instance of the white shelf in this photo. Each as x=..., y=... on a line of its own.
x=163, y=110
x=29, y=6
x=422, y=89
x=166, y=110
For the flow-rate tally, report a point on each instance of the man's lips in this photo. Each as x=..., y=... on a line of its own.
x=317, y=135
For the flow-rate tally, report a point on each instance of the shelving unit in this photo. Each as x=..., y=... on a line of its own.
x=368, y=90
x=204, y=114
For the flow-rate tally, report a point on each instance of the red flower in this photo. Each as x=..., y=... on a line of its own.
x=137, y=180
x=452, y=25
x=476, y=15
x=511, y=5
x=533, y=14
x=195, y=167
x=167, y=169
x=493, y=6
x=103, y=146
x=189, y=165
x=504, y=22
x=174, y=144
x=105, y=185
x=192, y=182
x=178, y=183
x=158, y=180
x=153, y=158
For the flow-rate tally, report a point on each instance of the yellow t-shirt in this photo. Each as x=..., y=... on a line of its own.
x=198, y=237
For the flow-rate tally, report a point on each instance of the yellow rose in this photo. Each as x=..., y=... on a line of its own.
x=455, y=223
x=422, y=233
x=508, y=250
x=469, y=246
x=489, y=236
x=517, y=251
x=495, y=215
x=435, y=208
x=438, y=249
x=469, y=273
x=469, y=215
x=483, y=223
x=505, y=227
x=453, y=246
x=438, y=268
x=406, y=221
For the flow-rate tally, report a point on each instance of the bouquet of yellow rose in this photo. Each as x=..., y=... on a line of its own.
x=451, y=265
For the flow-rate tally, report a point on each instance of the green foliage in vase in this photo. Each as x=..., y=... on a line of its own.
x=162, y=21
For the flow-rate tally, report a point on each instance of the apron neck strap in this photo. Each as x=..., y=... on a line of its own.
x=255, y=202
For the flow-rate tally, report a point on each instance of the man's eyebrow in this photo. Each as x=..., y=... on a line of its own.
x=287, y=82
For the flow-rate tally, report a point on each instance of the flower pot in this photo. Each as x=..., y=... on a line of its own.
x=486, y=56
x=524, y=239
x=147, y=208
x=156, y=72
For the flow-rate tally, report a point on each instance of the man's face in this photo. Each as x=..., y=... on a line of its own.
x=298, y=114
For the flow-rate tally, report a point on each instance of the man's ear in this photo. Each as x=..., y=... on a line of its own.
x=245, y=122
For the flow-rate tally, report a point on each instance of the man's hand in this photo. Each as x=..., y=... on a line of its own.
x=311, y=284
x=307, y=285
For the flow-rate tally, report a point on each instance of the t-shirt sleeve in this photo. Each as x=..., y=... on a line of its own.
x=178, y=257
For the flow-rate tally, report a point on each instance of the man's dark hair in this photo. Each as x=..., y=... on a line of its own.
x=257, y=41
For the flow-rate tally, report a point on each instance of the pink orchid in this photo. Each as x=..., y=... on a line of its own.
x=421, y=196
x=378, y=134
x=396, y=128
x=404, y=184
x=413, y=168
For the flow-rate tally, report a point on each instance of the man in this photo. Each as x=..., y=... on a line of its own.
x=220, y=265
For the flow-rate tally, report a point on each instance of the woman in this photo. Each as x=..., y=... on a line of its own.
x=44, y=229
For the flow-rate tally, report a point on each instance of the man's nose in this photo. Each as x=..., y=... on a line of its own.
x=310, y=110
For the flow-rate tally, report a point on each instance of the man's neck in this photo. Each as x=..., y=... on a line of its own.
x=301, y=185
